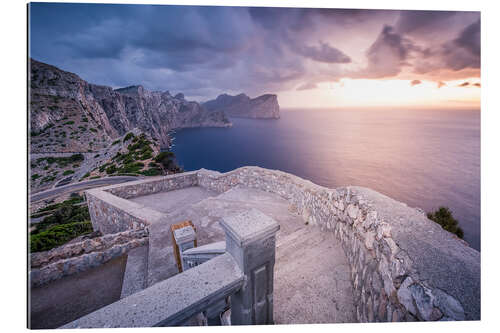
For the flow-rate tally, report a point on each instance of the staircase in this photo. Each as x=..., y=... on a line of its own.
x=312, y=279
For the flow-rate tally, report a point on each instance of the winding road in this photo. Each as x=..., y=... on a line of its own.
x=53, y=192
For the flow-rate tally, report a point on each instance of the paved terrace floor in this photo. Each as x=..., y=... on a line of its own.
x=312, y=276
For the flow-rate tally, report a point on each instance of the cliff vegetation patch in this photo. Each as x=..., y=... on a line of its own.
x=444, y=217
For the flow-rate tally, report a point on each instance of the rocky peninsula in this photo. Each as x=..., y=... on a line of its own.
x=264, y=107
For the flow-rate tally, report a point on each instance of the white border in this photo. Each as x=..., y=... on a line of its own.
x=13, y=139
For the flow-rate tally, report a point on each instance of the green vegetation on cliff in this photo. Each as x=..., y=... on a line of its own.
x=68, y=219
x=444, y=217
x=58, y=235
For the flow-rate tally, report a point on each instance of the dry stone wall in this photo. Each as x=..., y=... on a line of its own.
x=73, y=258
x=155, y=185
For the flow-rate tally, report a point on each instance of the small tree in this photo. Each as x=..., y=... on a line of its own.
x=443, y=216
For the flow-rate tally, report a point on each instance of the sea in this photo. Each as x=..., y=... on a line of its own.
x=425, y=158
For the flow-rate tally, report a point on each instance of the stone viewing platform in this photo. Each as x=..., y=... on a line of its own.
x=340, y=255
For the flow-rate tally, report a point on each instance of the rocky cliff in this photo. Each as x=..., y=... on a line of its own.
x=265, y=106
x=70, y=114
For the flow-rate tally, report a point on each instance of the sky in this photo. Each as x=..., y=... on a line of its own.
x=308, y=57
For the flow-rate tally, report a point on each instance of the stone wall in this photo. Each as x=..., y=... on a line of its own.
x=404, y=267
x=73, y=258
x=154, y=185
x=111, y=212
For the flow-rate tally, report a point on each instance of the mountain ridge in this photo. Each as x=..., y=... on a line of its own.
x=68, y=113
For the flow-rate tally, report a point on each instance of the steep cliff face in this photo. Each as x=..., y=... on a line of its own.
x=265, y=106
x=70, y=114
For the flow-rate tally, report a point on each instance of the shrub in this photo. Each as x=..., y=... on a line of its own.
x=62, y=161
x=444, y=217
x=131, y=167
x=115, y=142
x=47, y=179
x=103, y=167
x=93, y=130
x=85, y=176
x=146, y=156
x=58, y=235
x=165, y=158
x=70, y=202
x=68, y=172
x=71, y=122
x=35, y=176
x=111, y=169
x=151, y=172
x=128, y=136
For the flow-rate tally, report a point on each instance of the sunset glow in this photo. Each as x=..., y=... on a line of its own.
x=392, y=93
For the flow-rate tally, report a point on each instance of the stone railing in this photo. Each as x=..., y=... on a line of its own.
x=403, y=266
x=77, y=257
x=244, y=273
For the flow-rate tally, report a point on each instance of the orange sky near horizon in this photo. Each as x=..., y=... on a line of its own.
x=375, y=93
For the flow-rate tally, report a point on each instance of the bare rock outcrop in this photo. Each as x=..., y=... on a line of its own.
x=70, y=114
x=265, y=106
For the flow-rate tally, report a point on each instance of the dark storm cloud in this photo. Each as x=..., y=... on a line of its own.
x=465, y=50
x=387, y=55
x=470, y=38
x=323, y=53
x=253, y=49
x=204, y=51
x=421, y=20
x=415, y=82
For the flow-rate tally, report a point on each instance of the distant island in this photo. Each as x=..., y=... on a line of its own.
x=265, y=106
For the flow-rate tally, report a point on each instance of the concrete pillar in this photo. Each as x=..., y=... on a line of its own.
x=251, y=239
x=184, y=237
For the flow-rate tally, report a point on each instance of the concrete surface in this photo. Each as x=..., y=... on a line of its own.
x=199, y=287
x=166, y=202
x=312, y=281
x=206, y=215
x=135, y=276
x=71, y=297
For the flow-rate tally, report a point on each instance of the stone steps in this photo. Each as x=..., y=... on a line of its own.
x=304, y=237
x=135, y=276
x=312, y=279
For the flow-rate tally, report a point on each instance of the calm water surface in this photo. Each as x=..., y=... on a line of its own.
x=424, y=158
